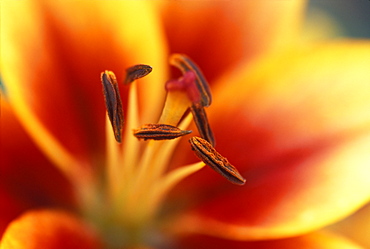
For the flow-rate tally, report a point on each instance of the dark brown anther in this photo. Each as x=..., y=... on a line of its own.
x=184, y=63
x=213, y=159
x=113, y=103
x=159, y=132
x=136, y=72
x=201, y=121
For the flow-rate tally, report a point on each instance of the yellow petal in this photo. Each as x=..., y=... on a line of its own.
x=299, y=97
x=316, y=240
x=51, y=65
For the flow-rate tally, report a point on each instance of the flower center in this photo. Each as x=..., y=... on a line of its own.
x=137, y=176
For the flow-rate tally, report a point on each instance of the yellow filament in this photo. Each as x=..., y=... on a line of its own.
x=145, y=163
x=141, y=185
x=164, y=154
x=113, y=161
x=156, y=154
x=167, y=182
x=131, y=145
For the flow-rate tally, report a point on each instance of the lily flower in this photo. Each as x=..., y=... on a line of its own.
x=292, y=117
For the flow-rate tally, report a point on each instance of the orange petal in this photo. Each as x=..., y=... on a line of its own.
x=51, y=64
x=220, y=34
x=318, y=240
x=49, y=229
x=297, y=127
x=356, y=227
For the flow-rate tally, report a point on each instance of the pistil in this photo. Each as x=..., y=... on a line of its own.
x=177, y=101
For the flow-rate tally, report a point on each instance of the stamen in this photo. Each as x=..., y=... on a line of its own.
x=113, y=162
x=159, y=132
x=164, y=154
x=113, y=103
x=184, y=63
x=168, y=181
x=136, y=72
x=130, y=143
x=212, y=158
x=150, y=169
x=201, y=121
x=138, y=185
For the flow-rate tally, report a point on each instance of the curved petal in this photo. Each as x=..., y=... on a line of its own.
x=297, y=126
x=220, y=34
x=22, y=186
x=49, y=229
x=51, y=64
x=10, y=208
x=355, y=226
x=318, y=240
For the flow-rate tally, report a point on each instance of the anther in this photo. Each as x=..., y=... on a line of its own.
x=201, y=121
x=113, y=103
x=136, y=72
x=184, y=63
x=159, y=132
x=215, y=160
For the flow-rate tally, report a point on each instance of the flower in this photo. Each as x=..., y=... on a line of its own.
x=292, y=117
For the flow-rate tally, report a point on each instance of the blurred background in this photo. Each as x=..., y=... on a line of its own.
x=339, y=18
x=336, y=19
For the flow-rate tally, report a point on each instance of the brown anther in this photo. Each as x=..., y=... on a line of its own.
x=113, y=102
x=159, y=132
x=213, y=159
x=201, y=121
x=136, y=72
x=184, y=63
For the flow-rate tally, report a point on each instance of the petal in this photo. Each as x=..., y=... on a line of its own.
x=10, y=208
x=220, y=34
x=318, y=240
x=297, y=127
x=51, y=64
x=27, y=178
x=49, y=229
x=356, y=226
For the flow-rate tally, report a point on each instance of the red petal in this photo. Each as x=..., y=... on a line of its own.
x=220, y=34
x=27, y=178
x=50, y=230
x=10, y=208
